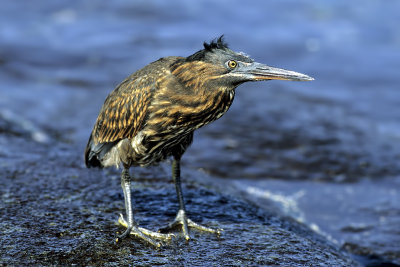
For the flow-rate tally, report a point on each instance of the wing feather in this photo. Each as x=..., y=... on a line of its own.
x=124, y=111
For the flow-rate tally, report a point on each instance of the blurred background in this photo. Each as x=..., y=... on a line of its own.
x=324, y=152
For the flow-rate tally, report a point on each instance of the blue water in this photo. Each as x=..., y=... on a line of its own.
x=59, y=60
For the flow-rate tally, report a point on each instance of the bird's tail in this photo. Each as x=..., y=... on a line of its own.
x=94, y=153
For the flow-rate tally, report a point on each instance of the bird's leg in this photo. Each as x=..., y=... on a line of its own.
x=181, y=218
x=131, y=225
x=126, y=188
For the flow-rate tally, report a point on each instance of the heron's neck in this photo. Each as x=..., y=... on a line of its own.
x=211, y=106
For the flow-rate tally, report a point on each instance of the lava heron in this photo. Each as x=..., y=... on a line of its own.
x=152, y=114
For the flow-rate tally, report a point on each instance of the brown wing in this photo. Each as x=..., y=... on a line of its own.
x=124, y=110
x=124, y=113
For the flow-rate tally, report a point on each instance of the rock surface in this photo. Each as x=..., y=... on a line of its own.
x=53, y=211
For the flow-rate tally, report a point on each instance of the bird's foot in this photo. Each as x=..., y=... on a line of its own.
x=182, y=220
x=143, y=233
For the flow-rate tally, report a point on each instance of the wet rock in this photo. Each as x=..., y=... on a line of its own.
x=57, y=212
x=290, y=143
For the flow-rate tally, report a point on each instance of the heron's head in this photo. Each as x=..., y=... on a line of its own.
x=220, y=65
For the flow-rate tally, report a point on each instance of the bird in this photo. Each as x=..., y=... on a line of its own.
x=152, y=114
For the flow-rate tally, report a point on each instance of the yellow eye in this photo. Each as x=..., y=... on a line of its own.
x=232, y=64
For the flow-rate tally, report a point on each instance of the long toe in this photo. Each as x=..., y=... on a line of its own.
x=203, y=228
x=125, y=233
x=176, y=224
x=181, y=221
x=146, y=235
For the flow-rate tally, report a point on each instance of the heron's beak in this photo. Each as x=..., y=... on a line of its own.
x=257, y=72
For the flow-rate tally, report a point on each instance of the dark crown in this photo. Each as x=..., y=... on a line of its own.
x=208, y=47
x=216, y=44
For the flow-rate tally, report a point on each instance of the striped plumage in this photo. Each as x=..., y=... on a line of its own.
x=157, y=112
x=153, y=113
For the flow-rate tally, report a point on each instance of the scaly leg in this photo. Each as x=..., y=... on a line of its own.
x=181, y=218
x=131, y=225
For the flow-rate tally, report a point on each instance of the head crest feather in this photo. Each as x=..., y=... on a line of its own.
x=208, y=47
x=216, y=44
